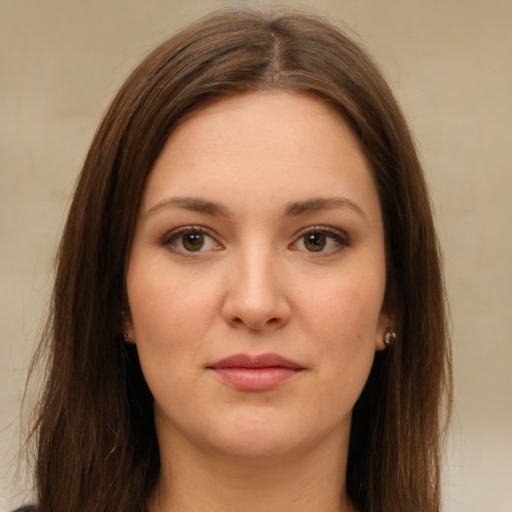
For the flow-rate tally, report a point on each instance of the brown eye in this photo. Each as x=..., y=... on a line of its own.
x=315, y=242
x=321, y=240
x=193, y=241
x=190, y=239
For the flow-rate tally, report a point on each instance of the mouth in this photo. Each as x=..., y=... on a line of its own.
x=255, y=373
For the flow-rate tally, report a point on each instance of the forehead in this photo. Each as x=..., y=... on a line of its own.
x=280, y=113
x=277, y=145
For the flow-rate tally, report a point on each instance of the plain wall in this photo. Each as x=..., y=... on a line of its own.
x=449, y=62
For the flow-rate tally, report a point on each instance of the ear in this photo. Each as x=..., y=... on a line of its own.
x=128, y=331
x=386, y=324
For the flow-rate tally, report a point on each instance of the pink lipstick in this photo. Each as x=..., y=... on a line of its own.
x=255, y=373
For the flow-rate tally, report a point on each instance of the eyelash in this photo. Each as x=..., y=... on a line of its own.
x=175, y=236
x=339, y=238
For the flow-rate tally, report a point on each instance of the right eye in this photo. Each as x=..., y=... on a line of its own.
x=190, y=240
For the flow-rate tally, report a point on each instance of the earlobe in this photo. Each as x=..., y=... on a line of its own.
x=128, y=332
x=387, y=340
x=389, y=337
x=386, y=334
x=387, y=327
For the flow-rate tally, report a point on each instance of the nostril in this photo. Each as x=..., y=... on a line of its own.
x=255, y=325
x=248, y=306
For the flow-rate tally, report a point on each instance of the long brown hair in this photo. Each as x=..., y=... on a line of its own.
x=96, y=443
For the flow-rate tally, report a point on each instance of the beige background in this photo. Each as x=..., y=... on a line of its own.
x=450, y=64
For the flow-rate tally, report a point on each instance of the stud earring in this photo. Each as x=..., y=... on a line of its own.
x=126, y=328
x=128, y=338
x=389, y=338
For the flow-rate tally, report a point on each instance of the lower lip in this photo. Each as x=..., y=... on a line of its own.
x=256, y=379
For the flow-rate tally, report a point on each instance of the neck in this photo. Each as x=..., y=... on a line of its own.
x=193, y=481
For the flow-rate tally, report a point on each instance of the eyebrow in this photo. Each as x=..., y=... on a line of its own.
x=293, y=209
x=194, y=204
x=322, y=203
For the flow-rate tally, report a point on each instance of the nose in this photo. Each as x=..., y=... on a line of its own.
x=256, y=296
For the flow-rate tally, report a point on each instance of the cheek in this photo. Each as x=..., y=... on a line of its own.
x=169, y=328
x=343, y=319
x=172, y=315
x=349, y=308
x=166, y=307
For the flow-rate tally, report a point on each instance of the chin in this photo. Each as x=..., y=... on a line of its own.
x=257, y=445
x=251, y=434
x=259, y=436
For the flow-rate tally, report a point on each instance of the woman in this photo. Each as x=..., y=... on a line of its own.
x=248, y=311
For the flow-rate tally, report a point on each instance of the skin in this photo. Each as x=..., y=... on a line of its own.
x=256, y=170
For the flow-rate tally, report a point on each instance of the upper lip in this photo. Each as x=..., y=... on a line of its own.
x=258, y=361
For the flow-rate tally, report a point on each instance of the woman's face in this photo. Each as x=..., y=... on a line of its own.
x=256, y=278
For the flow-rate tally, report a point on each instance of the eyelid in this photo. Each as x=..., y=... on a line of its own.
x=174, y=234
x=336, y=234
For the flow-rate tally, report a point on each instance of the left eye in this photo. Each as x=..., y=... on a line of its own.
x=320, y=241
x=190, y=240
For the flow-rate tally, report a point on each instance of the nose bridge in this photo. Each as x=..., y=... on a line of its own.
x=256, y=297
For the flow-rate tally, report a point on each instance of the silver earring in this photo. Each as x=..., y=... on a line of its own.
x=389, y=338
x=128, y=338
x=126, y=327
